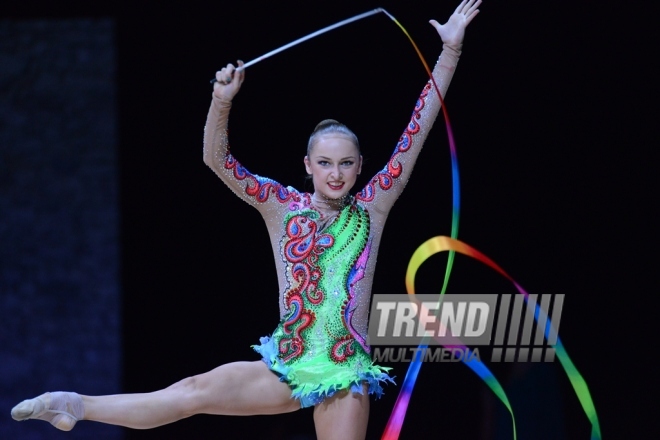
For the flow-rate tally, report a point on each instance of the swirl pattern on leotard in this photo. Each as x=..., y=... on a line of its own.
x=385, y=178
x=323, y=267
x=259, y=187
x=301, y=247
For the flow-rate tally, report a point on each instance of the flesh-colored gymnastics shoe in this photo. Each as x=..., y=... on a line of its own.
x=59, y=408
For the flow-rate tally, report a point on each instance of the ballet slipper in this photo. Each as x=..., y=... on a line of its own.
x=61, y=409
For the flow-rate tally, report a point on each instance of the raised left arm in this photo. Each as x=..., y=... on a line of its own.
x=386, y=186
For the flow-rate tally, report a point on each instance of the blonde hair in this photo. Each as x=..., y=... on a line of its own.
x=328, y=126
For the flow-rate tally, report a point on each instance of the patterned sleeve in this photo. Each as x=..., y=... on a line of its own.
x=386, y=186
x=258, y=191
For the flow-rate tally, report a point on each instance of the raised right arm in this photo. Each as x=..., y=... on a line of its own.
x=258, y=191
x=216, y=149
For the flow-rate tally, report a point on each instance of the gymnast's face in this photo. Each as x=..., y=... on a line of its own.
x=334, y=163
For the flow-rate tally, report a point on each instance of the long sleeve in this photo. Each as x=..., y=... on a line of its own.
x=258, y=191
x=216, y=145
x=385, y=187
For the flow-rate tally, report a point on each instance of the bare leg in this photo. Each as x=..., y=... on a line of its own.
x=239, y=388
x=342, y=417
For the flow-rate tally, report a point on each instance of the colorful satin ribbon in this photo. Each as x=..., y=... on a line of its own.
x=452, y=245
x=441, y=244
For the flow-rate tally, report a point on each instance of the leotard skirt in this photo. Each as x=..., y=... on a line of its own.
x=323, y=369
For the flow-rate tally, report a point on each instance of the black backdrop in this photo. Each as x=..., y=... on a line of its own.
x=555, y=169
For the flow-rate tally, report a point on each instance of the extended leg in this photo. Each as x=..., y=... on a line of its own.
x=342, y=417
x=239, y=388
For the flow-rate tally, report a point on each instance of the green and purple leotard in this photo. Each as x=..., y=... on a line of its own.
x=325, y=266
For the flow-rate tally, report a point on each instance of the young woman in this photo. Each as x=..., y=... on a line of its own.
x=325, y=244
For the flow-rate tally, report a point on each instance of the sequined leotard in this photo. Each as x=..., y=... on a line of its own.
x=325, y=273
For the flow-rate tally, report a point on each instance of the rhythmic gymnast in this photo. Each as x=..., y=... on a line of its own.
x=325, y=245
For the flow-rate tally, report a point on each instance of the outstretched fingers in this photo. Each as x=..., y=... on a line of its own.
x=453, y=31
x=472, y=10
x=467, y=6
x=468, y=10
x=459, y=8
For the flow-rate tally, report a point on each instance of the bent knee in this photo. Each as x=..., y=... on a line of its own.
x=184, y=385
x=188, y=395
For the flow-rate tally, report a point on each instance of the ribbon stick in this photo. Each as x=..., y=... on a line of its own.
x=312, y=35
x=308, y=37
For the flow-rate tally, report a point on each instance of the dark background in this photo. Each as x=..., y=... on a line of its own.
x=551, y=108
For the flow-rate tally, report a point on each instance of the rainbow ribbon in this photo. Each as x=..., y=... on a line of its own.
x=442, y=243
x=395, y=422
x=452, y=245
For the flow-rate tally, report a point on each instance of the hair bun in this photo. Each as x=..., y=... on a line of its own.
x=326, y=123
x=331, y=126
